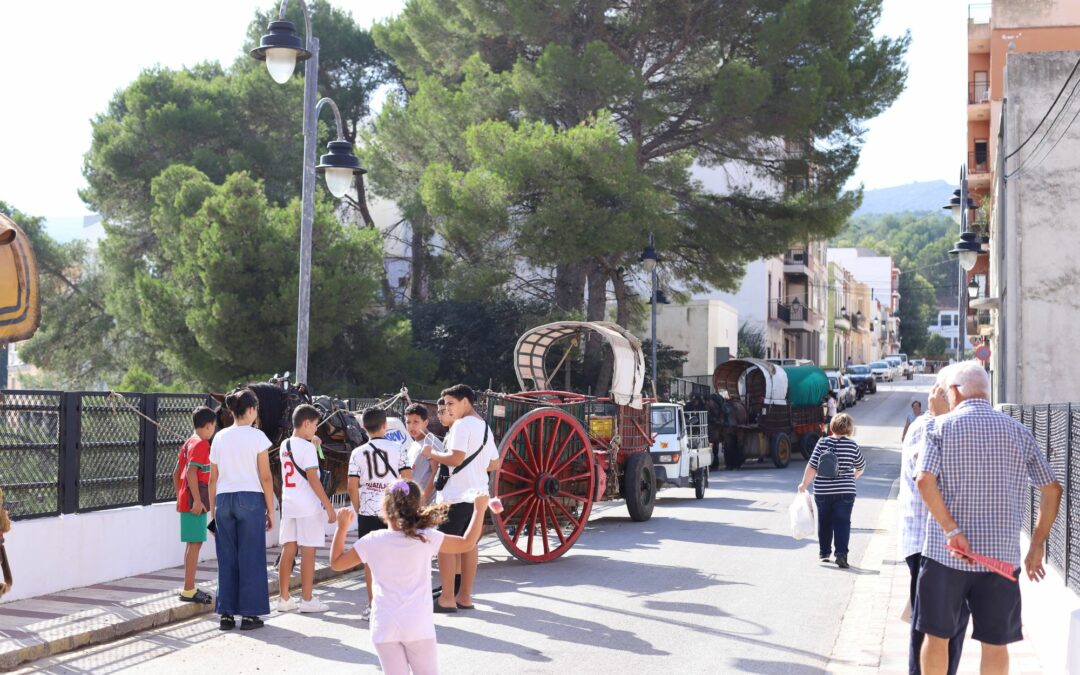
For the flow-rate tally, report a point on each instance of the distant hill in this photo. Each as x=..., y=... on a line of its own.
x=925, y=197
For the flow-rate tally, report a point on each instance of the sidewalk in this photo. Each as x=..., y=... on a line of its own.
x=874, y=639
x=52, y=624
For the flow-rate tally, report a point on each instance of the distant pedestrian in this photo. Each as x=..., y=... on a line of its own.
x=372, y=468
x=192, y=481
x=841, y=463
x=973, y=475
x=305, y=511
x=423, y=468
x=913, y=519
x=402, y=618
x=469, y=455
x=916, y=413
x=830, y=408
x=241, y=501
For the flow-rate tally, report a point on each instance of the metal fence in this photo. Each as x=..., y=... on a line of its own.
x=69, y=452
x=1056, y=428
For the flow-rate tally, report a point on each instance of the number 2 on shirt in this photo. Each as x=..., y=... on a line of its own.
x=290, y=470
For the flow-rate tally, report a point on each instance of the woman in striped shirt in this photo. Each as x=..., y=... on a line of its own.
x=835, y=497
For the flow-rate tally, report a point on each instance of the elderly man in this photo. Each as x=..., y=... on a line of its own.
x=973, y=475
x=913, y=517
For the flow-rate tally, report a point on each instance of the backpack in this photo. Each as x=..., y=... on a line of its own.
x=828, y=466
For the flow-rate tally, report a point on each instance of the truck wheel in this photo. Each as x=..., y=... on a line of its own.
x=639, y=486
x=780, y=450
x=807, y=444
x=700, y=482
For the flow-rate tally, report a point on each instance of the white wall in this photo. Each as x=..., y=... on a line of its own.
x=873, y=270
x=70, y=551
x=698, y=328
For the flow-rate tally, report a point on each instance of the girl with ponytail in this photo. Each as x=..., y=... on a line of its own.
x=402, y=613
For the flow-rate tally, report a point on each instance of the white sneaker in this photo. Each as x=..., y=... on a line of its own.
x=286, y=604
x=313, y=605
x=366, y=614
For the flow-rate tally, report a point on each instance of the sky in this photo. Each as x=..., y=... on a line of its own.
x=51, y=93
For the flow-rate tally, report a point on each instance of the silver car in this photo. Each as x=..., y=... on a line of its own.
x=882, y=371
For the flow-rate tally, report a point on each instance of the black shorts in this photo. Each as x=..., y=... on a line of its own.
x=458, y=519
x=365, y=524
x=994, y=602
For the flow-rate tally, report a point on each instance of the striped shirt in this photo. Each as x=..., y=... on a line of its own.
x=912, y=508
x=983, y=460
x=849, y=458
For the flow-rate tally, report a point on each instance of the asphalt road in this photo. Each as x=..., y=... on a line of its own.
x=716, y=585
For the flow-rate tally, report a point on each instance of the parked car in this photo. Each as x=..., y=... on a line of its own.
x=919, y=365
x=863, y=379
x=904, y=368
x=882, y=371
x=897, y=365
x=846, y=396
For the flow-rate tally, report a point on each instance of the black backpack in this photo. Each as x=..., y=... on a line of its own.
x=828, y=466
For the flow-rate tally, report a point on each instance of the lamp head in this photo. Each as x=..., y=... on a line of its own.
x=953, y=207
x=648, y=258
x=973, y=288
x=338, y=167
x=967, y=250
x=281, y=48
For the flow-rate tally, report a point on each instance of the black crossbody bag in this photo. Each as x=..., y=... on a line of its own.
x=325, y=476
x=444, y=471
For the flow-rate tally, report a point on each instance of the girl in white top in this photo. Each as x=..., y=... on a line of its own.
x=402, y=616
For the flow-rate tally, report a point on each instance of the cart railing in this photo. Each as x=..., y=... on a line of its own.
x=697, y=429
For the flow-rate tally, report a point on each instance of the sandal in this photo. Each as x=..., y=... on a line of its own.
x=227, y=622
x=461, y=606
x=251, y=623
x=439, y=609
x=200, y=598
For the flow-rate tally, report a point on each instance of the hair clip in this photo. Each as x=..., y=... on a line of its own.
x=401, y=486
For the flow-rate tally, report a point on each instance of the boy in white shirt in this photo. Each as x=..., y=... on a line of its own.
x=372, y=468
x=303, y=501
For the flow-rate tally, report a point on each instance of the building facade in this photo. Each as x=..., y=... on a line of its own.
x=707, y=330
x=947, y=325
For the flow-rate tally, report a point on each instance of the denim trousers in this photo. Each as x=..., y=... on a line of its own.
x=834, y=522
x=243, y=588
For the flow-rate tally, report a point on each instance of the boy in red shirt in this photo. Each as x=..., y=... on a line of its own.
x=191, y=479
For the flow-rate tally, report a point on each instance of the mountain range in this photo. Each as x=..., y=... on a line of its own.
x=923, y=197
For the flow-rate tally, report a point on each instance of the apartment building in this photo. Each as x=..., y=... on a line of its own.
x=947, y=325
x=882, y=278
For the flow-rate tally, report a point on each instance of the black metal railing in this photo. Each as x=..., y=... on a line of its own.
x=68, y=452
x=1056, y=428
x=978, y=92
x=684, y=388
x=978, y=162
x=797, y=256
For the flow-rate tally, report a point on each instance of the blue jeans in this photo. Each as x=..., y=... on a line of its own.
x=243, y=588
x=834, y=521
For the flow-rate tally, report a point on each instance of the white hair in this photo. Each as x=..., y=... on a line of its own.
x=971, y=379
x=943, y=376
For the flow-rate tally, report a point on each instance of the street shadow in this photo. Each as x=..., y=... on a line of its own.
x=631, y=535
x=483, y=642
x=686, y=608
x=775, y=667
x=307, y=644
x=670, y=501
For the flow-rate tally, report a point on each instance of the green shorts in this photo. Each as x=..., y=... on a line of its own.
x=193, y=528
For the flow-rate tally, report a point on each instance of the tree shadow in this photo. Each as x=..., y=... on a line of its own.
x=775, y=667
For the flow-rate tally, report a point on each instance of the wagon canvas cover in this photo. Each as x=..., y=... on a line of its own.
x=807, y=385
x=629, y=370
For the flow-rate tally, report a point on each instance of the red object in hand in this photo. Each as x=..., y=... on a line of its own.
x=993, y=564
x=495, y=505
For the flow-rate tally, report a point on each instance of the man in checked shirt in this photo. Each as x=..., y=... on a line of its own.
x=913, y=517
x=972, y=475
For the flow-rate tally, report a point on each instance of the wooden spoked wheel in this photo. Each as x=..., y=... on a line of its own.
x=546, y=481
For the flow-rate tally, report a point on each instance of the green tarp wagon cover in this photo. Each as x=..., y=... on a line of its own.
x=807, y=385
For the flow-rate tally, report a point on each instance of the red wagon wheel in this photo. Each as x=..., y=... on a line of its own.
x=546, y=481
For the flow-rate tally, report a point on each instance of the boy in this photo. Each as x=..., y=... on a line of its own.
x=192, y=482
x=302, y=502
x=416, y=421
x=372, y=467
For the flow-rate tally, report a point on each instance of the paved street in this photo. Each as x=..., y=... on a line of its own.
x=716, y=585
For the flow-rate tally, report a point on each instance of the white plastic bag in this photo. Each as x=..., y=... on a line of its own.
x=803, y=516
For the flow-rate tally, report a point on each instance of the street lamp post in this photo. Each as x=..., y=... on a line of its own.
x=281, y=48
x=648, y=261
x=967, y=252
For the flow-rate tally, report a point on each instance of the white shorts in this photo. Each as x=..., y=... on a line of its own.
x=305, y=530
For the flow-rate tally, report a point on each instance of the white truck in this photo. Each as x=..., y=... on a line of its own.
x=681, y=451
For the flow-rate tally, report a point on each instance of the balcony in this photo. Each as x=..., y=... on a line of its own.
x=797, y=261
x=842, y=323
x=978, y=102
x=978, y=162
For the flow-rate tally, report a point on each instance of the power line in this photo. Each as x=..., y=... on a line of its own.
x=1024, y=169
x=1047, y=114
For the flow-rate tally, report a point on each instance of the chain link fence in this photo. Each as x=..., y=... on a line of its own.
x=1056, y=428
x=30, y=452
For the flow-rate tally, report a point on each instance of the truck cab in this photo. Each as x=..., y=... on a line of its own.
x=680, y=450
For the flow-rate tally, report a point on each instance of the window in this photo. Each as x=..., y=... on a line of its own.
x=946, y=320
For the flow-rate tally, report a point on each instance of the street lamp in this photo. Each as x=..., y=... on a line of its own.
x=973, y=288
x=648, y=261
x=281, y=48
x=966, y=250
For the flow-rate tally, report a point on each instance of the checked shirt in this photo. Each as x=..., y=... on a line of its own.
x=983, y=460
x=913, y=511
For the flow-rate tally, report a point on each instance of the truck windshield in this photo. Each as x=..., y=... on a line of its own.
x=664, y=421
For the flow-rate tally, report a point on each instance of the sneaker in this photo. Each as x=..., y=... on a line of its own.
x=286, y=604
x=825, y=559
x=841, y=562
x=366, y=614
x=313, y=605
